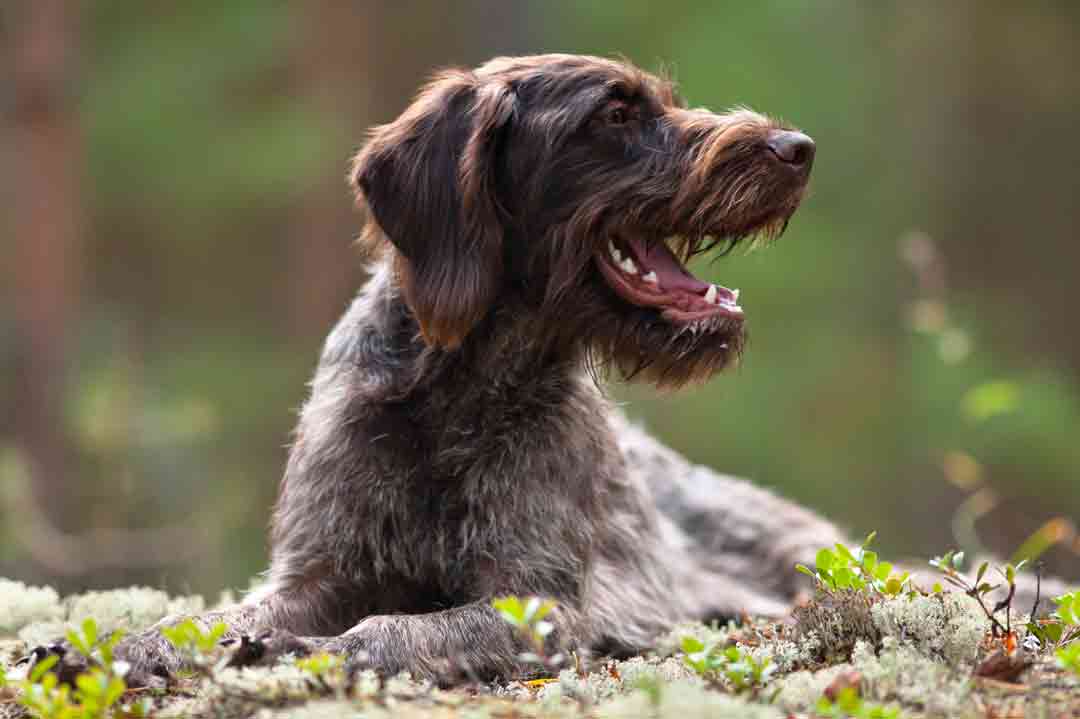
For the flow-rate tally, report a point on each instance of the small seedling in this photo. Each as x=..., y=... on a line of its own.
x=742, y=670
x=1061, y=630
x=860, y=569
x=197, y=645
x=97, y=691
x=327, y=672
x=950, y=566
x=527, y=617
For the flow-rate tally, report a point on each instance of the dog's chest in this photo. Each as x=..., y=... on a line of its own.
x=499, y=484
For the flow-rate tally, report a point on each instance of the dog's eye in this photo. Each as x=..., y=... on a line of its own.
x=618, y=116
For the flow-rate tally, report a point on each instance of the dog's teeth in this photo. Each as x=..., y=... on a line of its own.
x=651, y=278
x=710, y=295
x=614, y=252
x=735, y=296
x=628, y=266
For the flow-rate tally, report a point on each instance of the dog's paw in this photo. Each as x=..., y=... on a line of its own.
x=265, y=648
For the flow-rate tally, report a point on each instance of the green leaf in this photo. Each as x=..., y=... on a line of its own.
x=692, y=645
x=114, y=691
x=825, y=560
x=40, y=668
x=90, y=631
x=88, y=684
x=844, y=552
x=1049, y=633
x=869, y=561
x=882, y=571
x=805, y=570
x=510, y=608
x=982, y=570
x=842, y=578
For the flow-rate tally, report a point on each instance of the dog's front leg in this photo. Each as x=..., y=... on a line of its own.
x=470, y=641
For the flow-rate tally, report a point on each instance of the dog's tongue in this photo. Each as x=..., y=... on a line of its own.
x=671, y=273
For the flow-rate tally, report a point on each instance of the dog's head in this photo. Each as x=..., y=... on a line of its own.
x=578, y=187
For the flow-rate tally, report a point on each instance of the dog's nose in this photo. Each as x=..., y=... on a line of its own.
x=792, y=147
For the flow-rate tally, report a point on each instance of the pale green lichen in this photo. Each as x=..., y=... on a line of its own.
x=946, y=626
x=36, y=615
x=899, y=671
x=21, y=605
x=684, y=700
x=617, y=678
x=800, y=691
x=133, y=609
x=707, y=634
x=787, y=654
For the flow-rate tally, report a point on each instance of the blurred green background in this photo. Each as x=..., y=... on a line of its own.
x=177, y=242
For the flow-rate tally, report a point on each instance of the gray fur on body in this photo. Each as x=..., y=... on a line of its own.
x=396, y=528
x=456, y=446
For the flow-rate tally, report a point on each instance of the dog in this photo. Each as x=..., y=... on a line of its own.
x=530, y=221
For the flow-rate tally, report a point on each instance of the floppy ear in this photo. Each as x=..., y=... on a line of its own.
x=428, y=179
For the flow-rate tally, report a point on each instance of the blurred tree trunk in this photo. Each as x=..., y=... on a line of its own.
x=46, y=227
x=334, y=65
x=359, y=64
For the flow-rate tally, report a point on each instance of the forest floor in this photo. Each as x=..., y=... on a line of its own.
x=844, y=653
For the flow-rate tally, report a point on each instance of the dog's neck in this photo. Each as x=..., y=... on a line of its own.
x=380, y=335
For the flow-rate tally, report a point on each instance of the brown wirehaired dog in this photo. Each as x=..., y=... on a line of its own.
x=531, y=218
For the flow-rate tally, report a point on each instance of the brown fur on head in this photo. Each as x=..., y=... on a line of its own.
x=574, y=188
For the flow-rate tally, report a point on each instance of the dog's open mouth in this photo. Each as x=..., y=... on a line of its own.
x=648, y=274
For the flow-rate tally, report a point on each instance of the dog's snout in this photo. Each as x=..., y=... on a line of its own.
x=792, y=147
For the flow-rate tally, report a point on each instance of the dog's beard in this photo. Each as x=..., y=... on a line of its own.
x=638, y=343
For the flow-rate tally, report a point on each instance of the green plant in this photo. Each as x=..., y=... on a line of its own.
x=1062, y=631
x=1068, y=657
x=849, y=703
x=527, y=617
x=327, y=672
x=860, y=569
x=96, y=692
x=197, y=645
x=742, y=670
x=1068, y=609
x=950, y=565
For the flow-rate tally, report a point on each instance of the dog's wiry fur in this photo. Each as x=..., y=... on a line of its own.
x=456, y=446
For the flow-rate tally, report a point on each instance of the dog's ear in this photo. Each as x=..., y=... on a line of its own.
x=428, y=179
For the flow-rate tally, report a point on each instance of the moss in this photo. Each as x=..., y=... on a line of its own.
x=838, y=621
x=21, y=605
